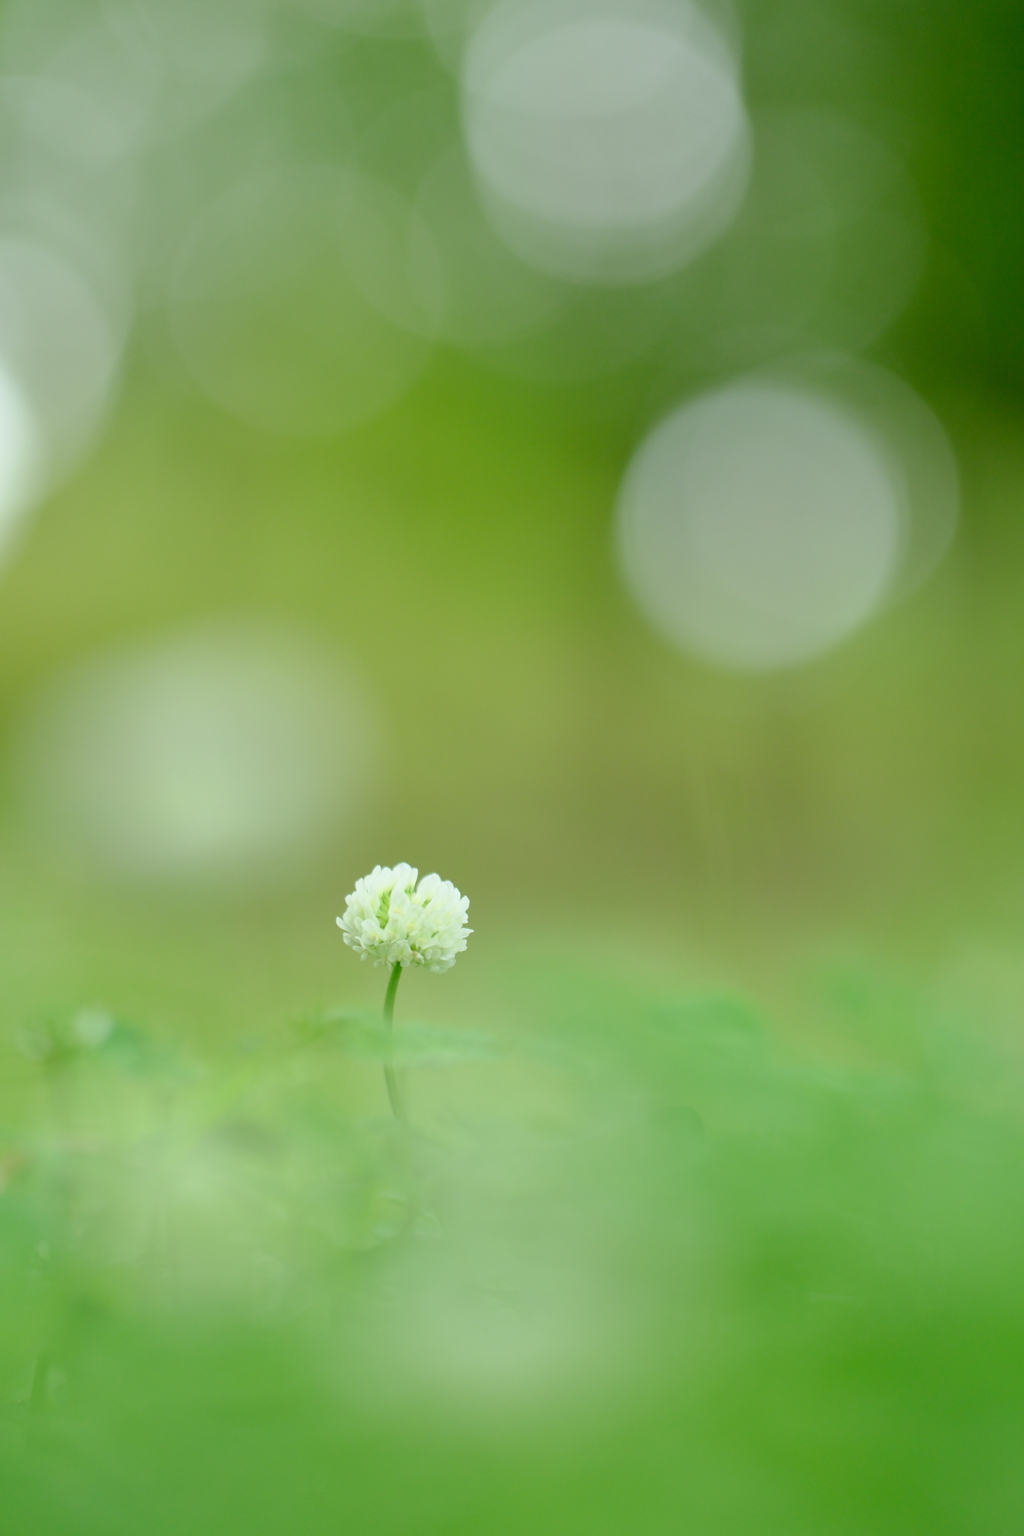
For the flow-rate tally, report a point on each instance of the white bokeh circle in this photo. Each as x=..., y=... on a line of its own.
x=609, y=137
x=58, y=341
x=222, y=754
x=21, y=459
x=761, y=524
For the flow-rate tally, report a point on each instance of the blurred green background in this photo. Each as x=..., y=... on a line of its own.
x=313, y=434
x=524, y=730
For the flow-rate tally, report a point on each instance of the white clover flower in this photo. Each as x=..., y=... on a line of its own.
x=394, y=921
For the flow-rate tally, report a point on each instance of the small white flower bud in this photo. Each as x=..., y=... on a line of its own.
x=395, y=921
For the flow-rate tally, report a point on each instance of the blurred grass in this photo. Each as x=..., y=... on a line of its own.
x=637, y=1265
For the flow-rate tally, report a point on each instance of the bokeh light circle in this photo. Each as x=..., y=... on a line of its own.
x=220, y=754
x=58, y=341
x=609, y=137
x=762, y=523
x=20, y=458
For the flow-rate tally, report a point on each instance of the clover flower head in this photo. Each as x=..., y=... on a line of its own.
x=392, y=920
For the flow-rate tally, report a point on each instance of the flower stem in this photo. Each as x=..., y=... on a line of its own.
x=394, y=1096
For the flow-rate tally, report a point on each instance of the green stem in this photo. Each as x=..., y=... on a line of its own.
x=37, y=1396
x=395, y=1097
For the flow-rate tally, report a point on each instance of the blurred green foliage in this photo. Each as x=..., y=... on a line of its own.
x=672, y=1277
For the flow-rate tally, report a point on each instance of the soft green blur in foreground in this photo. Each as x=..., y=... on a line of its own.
x=633, y=1268
x=710, y=1216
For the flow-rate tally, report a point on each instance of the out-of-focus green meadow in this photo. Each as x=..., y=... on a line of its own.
x=316, y=452
x=633, y=1267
